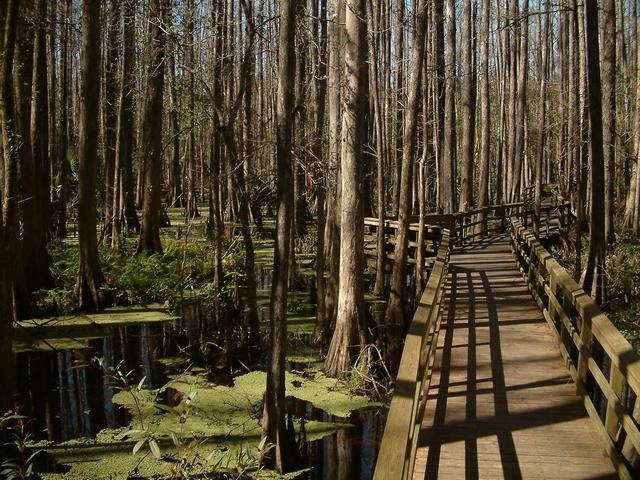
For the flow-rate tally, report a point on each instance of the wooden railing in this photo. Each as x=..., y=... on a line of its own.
x=398, y=448
x=433, y=227
x=604, y=366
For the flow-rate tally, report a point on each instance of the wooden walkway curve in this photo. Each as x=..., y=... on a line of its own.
x=501, y=402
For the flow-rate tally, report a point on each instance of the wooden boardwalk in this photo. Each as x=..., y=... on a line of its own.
x=501, y=402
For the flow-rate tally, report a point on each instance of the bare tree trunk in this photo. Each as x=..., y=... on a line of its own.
x=8, y=215
x=40, y=144
x=380, y=150
x=397, y=303
x=191, y=210
x=334, y=80
x=609, y=114
x=274, y=411
x=53, y=116
x=448, y=168
x=468, y=110
x=593, y=280
x=582, y=132
x=33, y=245
x=90, y=274
x=485, y=115
x=544, y=70
x=63, y=133
x=349, y=331
x=319, y=173
x=215, y=213
x=152, y=134
x=110, y=110
x=521, y=107
x=438, y=14
x=400, y=100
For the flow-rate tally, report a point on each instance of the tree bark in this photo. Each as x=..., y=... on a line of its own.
x=63, y=129
x=334, y=80
x=35, y=261
x=609, y=115
x=110, y=111
x=468, y=111
x=149, y=240
x=593, y=281
x=521, y=106
x=8, y=215
x=89, y=275
x=40, y=144
x=381, y=152
x=320, y=175
x=542, y=125
x=274, y=413
x=348, y=333
x=448, y=167
x=124, y=212
x=396, y=307
x=485, y=116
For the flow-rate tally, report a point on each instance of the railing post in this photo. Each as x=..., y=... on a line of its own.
x=611, y=423
x=583, y=355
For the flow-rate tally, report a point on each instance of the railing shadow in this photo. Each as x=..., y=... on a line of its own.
x=454, y=422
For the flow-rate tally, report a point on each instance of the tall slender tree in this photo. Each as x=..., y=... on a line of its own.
x=110, y=108
x=468, y=112
x=124, y=212
x=8, y=214
x=396, y=307
x=152, y=133
x=542, y=120
x=609, y=114
x=63, y=128
x=349, y=331
x=274, y=411
x=593, y=279
x=485, y=113
x=448, y=166
x=89, y=274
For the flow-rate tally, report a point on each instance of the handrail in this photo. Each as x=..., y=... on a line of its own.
x=467, y=226
x=399, y=441
x=604, y=366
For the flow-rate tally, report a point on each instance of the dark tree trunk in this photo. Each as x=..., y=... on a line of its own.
x=40, y=145
x=124, y=212
x=89, y=275
x=319, y=173
x=176, y=172
x=8, y=216
x=63, y=132
x=274, y=411
x=609, y=114
x=381, y=148
x=593, y=280
x=152, y=134
x=34, y=255
x=110, y=110
x=398, y=302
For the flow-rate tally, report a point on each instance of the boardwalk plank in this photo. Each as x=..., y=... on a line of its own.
x=501, y=402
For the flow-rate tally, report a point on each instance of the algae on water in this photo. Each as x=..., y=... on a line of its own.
x=224, y=421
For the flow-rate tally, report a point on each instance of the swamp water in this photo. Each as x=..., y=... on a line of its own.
x=81, y=415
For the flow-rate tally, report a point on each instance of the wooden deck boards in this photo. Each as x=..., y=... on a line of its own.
x=501, y=402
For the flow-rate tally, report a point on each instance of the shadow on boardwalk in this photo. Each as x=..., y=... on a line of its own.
x=501, y=402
